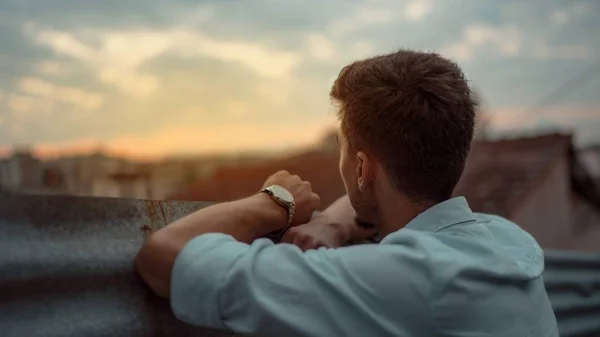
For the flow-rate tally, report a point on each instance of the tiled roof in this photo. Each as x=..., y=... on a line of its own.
x=230, y=183
x=498, y=173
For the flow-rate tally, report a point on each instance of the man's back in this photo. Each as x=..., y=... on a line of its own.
x=449, y=272
x=486, y=279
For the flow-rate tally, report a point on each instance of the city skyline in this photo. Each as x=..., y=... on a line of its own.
x=150, y=78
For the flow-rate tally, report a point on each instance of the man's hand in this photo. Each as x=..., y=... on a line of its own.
x=334, y=227
x=324, y=231
x=321, y=231
x=305, y=199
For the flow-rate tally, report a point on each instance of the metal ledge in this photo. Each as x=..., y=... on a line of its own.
x=66, y=269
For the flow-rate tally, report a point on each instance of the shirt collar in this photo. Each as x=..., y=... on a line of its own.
x=440, y=216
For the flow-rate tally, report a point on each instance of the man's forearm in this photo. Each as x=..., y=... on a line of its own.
x=245, y=220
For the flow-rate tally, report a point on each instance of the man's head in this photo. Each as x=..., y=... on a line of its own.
x=407, y=121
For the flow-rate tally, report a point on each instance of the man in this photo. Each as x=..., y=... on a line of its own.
x=407, y=121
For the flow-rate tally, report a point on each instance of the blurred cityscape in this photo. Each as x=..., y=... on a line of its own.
x=103, y=175
x=539, y=180
x=222, y=79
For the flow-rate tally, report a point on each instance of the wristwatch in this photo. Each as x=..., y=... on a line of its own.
x=284, y=199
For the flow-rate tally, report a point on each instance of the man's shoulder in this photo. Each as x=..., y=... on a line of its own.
x=405, y=252
x=493, y=218
x=490, y=239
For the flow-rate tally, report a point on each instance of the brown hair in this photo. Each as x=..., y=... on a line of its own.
x=414, y=111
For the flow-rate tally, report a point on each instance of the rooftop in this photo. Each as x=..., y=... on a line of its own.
x=500, y=173
x=234, y=182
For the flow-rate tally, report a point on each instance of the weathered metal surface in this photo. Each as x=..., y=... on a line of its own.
x=573, y=284
x=66, y=269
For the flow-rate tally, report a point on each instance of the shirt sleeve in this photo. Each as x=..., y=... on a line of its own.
x=268, y=289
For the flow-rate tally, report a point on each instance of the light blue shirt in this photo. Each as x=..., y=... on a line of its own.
x=449, y=272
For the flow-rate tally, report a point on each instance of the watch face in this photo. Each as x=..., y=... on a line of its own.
x=282, y=193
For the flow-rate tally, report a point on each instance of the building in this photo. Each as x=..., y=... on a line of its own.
x=82, y=172
x=20, y=170
x=234, y=182
x=482, y=126
x=133, y=185
x=23, y=172
x=590, y=158
x=534, y=181
x=99, y=174
x=539, y=183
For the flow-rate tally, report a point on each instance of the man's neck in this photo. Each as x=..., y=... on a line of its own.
x=395, y=211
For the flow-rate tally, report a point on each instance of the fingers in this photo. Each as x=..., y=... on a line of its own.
x=316, y=200
x=286, y=174
x=288, y=236
x=304, y=242
x=283, y=177
x=306, y=200
x=292, y=236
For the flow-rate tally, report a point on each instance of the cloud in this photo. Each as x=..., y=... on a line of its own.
x=380, y=13
x=360, y=17
x=62, y=43
x=25, y=107
x=20, y=103
x=137, y=84
x=505, y=40
x=510, y=41
x=238, y=110
x=559, y=17
x=417, y=10
x=544, y=50
x=320, y=47
x=75, y=96
x=563, y=16
x=361, y=49
x=343, y=38
x=54, y=68
x=119, y=55
x=113, y=65
x=266, y=62
x=25, y=111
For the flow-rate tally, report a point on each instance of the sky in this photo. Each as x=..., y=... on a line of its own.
x=154, y=77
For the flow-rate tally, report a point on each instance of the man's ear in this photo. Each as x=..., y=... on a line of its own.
x=364, y=170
